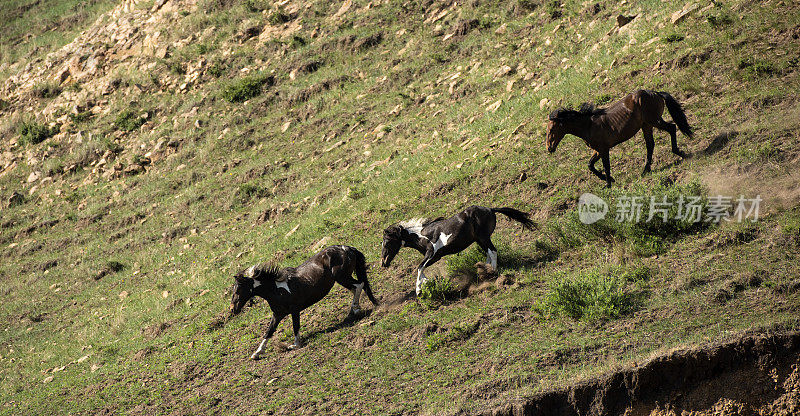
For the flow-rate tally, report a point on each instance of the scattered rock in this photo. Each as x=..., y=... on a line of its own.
x=494, y=106
x=503, y=71
x=543, y=103
x=34, y=176
x=48, y=379
x=123, y=294
x=133, y=169
x=680, y=15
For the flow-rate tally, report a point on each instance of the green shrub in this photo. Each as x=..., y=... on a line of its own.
x=217, y=69
x=46, y=90
x=31, y=132
x=752, y=67
x=592, y=295
x=80, y=117
x=246, y=88
x=673, y=37
x=255, y=6
x=248, y=191
x=128, y=120
x=436, y=289
x=719, y=20
x=645, y=236
x=278, y=17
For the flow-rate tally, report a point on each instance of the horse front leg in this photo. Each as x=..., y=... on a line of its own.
x=607, y=168
x=298, y=342
x=593, y=161
x=426, y=261
x=273, y=324
x=647, y=131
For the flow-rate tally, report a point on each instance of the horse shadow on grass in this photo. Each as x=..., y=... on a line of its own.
x=347, y=322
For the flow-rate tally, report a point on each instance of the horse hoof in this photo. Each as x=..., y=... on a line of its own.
x=255, y=357
x=294, y=347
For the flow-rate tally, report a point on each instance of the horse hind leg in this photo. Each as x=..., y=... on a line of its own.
x=672, y=129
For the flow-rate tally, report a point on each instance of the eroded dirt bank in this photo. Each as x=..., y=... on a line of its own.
x=755, y=375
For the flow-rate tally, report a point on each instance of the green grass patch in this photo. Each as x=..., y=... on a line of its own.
x=600, y=293
x=31, y=132
x=129, y=120
x=246, y=88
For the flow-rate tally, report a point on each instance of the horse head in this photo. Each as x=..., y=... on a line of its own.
x=242, y=289
x=556, y=129
x=564, y=120
x=392, y=241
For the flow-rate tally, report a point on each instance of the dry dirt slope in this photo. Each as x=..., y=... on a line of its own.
x=147, y=156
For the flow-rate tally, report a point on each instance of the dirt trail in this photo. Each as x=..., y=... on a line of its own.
x=755, y=375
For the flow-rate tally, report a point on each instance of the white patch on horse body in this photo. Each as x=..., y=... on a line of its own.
x=256, y=283
x=491, y=258
x=414, y=226
x=283, y=285
x=441, y=242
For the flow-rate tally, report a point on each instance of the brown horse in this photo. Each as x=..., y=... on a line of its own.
x=605, y=128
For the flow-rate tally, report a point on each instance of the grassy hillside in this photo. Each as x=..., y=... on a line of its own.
x=136, y=183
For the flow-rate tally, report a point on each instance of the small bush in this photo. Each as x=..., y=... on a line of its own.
x=756, y=67
x=278, y=17
x=256, y=6
x=128, y=120
x=245, y=88
x=217, y=69
x=719, y=20
x=80, y=117
x=592, y=295
x=673, y=37
x=31, y=132
x=248, y=191
x=175, y=67
x=437, y=289
x=46, y=90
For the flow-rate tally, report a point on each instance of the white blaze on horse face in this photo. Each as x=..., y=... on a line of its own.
x=491, y=258
x=441, y=242
x=283, y=285
x=256, y=283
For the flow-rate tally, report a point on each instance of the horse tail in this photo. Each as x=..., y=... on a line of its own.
x=516, y=215
x=676, y=111
x=361, y=274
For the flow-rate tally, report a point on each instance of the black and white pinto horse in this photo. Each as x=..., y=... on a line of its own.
x=440, y=237
x=288, y=291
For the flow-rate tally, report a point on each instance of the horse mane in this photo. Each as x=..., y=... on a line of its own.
x=566, y=113
x=261, y=271
x=418, y=223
